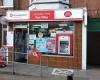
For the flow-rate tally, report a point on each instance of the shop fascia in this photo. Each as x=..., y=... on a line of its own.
x=45, y=15
x=77, y=14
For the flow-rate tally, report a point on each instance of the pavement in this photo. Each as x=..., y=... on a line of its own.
x=37, y=72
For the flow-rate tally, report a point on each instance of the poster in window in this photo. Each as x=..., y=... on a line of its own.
x=51, y=45
x=32, y=38
x=41, y=44
x=10, y=37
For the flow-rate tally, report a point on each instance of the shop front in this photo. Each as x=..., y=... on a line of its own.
x=56, y=34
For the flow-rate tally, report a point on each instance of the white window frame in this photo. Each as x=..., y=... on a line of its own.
x=65, y=1
x=7, y=6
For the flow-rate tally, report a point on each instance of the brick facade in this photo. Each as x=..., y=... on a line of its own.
x=76, y=61
x=64, y=62
x=21, y=4
x=92, y=5
x=67, y=62
x=77, y=3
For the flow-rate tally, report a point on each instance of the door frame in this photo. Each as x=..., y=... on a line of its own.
x=21, y=27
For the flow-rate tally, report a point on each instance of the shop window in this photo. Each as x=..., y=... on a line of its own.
x=54, y=38
x=4, y=36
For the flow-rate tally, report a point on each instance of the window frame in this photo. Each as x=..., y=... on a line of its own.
x=4, y=29
x=7, y=5
x=35, y=1
x=63, y=55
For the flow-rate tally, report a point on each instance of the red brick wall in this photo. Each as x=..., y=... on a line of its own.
x=93, y=8
x=24, y=4
x=92, y=5
x=21, y=4
x=2, y=10
x=76, y=3
x=76, y=61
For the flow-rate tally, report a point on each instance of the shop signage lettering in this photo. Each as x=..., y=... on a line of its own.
x=41, y=15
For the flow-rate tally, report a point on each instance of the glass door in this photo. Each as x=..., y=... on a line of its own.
x=20, y=44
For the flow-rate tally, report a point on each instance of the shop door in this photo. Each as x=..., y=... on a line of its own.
x=20, y=44
x=93, y=48
x=93, y=42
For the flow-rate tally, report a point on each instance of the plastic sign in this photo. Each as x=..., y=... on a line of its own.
x=67, y=13
x=42, y=15
x=45, y=15
x=18, y=15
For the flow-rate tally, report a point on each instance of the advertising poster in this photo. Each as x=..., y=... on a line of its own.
x=51, y=45
x=10, y=38
x=41, y=44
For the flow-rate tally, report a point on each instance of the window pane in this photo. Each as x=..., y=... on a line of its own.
x=7, y=2
x=44, y=36
x=4, y=37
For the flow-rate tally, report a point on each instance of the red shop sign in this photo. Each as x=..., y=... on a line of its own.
x=42, y=15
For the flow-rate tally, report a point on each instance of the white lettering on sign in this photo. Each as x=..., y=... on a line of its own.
x=44, y=25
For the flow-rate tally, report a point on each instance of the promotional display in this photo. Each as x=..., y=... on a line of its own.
x=41, y=45
x=51, y=45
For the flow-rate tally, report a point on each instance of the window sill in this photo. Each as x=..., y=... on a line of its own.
x=6, y=7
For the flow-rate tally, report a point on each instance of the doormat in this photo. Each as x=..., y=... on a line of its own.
x=62, y=72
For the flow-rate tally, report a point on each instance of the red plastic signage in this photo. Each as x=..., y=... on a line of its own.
x=42, y=15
